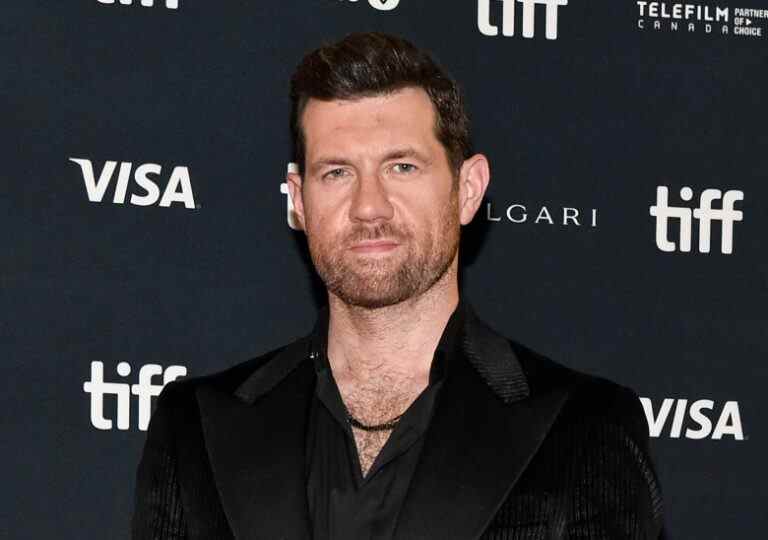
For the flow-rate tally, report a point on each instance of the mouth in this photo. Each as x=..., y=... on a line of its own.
x=374, y=246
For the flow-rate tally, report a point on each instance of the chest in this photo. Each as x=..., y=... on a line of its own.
x=375, y=405
x=369, y=445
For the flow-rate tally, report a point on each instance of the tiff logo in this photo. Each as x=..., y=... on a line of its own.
x=178, y=189
x=145, y=390
x=528, y=15
x=170, y=4
x=705, y=214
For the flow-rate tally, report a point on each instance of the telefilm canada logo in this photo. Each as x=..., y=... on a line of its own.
x=145, y=187
x=169, y=4
x=506, y=15
x=706, y=214
x=680, y=17
x=380, y=5
x=121, y=393
x=700, y=419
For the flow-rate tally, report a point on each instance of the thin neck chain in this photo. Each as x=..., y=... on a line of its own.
x=388, y=425
x=354, y=422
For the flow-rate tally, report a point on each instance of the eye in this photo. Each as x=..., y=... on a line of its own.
x=334, y=174
x=404, y=168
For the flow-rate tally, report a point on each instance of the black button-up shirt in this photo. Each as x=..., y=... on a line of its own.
x=344, y=504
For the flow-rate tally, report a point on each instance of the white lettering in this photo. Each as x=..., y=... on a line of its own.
x=664, y=10
x=699, y=414
x=727, y=215
x=571, y=214
x=384, y=5
x=704, y=423
x=484, y=18
x=95, y=189
x=170, y=4
x=528, y=16
x=729, y=422
x=179, y=179
x=178, y=189
x=656, y=423
x=518, y=213
x=122, y=183
x=144, y=391
x=523, y=216
x=544, y=215
x=489, y=217
x=143, y=180
x=677, y=422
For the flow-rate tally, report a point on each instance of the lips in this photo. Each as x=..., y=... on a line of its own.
x=374, y=246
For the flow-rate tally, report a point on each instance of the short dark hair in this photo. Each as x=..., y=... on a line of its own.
x=370, y=64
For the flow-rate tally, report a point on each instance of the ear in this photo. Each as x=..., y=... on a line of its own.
x=295, y=180
x=474, y=176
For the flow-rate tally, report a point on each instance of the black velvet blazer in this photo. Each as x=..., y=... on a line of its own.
x=519, y=448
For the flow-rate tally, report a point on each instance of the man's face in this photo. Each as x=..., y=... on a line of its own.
x=378, y=200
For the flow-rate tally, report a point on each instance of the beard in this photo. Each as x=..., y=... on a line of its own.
x=376, y=282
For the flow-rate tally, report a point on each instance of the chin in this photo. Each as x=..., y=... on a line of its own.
x=372, y=299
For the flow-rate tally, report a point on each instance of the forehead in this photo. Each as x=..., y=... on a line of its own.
x=369, y=124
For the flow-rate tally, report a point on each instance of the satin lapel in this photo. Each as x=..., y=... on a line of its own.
x=477, y=446
x=256, y=443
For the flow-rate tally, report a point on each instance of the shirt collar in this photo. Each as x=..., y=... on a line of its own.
x=494, y=358
x=447, y=348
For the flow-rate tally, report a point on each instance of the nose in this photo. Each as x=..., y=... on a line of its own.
x=370, y=201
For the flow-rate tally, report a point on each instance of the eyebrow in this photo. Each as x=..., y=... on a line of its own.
x=398, y=153
x=327, y=161
x=407, y=152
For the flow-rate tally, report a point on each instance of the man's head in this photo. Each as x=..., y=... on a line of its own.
x=385, y=180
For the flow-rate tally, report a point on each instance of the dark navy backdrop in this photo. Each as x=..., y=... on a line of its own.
x=581, y=130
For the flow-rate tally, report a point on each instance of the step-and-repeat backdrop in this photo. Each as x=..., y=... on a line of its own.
x=147, y=233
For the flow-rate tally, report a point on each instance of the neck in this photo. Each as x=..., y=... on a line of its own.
x=397, y=341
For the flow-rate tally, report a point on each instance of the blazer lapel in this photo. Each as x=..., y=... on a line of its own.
x=485, y=430
x=256, y=444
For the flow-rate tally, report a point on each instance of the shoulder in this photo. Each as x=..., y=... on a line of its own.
x=179, y=395
x=599, y=443
x=592, y=399
x=176, y=421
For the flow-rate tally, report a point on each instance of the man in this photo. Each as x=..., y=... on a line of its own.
x=401, y=415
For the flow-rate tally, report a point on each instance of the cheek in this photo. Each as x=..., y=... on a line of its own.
x=319, y=211
x=431, y=211
x=324, y=228
x=424, y=222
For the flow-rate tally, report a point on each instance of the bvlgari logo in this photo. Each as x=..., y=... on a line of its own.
x=541, y=214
